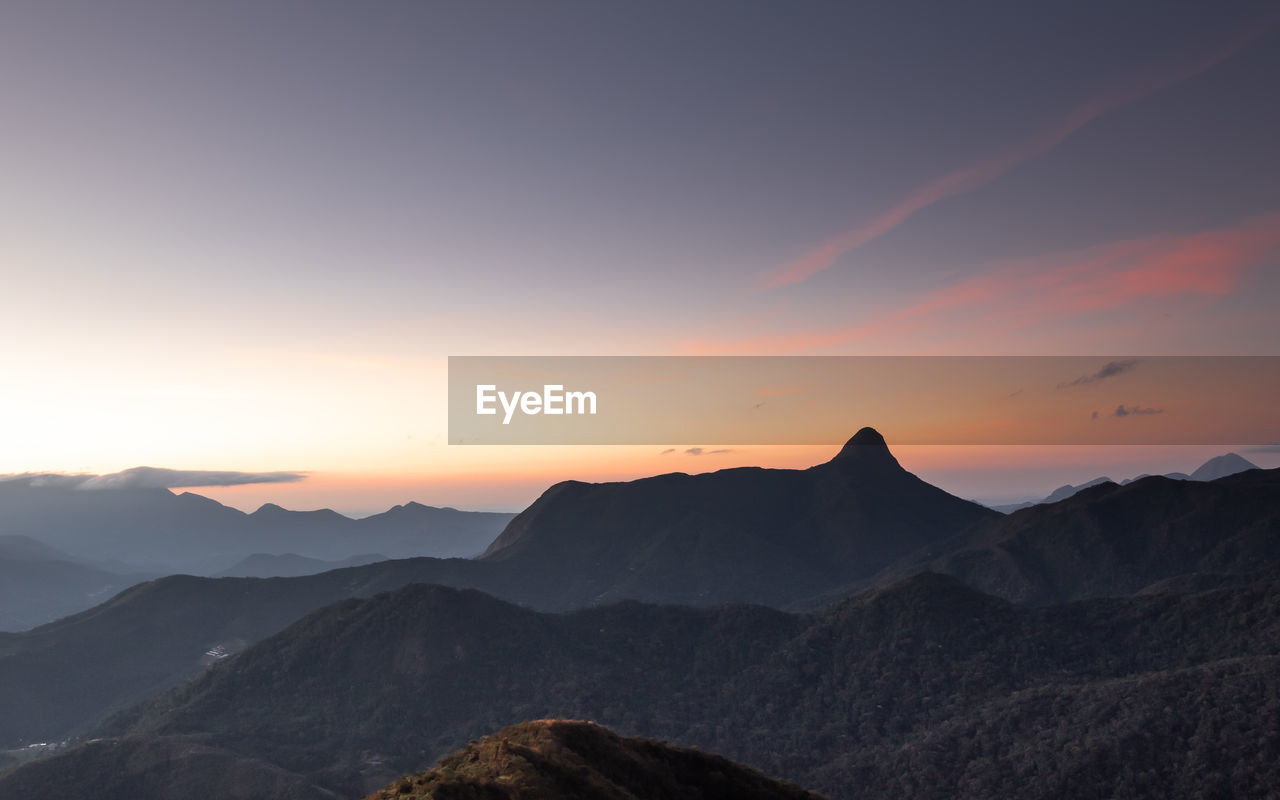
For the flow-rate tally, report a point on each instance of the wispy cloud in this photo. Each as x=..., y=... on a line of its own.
x=981, y=173
x=1128, y=411
x=699, y=451
x=1109, y=370
x=1016, y=294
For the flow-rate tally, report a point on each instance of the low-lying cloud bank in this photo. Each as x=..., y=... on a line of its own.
x=155, y=478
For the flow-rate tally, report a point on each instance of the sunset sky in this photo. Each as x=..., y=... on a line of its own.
x=248, y=235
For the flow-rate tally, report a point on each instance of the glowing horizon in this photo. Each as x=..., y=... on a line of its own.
x=262, y=263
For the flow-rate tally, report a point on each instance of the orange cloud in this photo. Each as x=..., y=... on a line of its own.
x=983, y=172
x=1092, y=280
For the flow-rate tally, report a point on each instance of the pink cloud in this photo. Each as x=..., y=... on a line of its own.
x=1105, y=278
x=982, y=173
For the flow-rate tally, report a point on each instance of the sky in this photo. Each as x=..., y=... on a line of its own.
x=246, y=236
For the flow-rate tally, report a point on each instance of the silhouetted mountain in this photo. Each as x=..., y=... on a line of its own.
x=453, y=533
x=1009, y=508
x=63, y=678
x=768, y=536
x=925, y=688
x=1063, y=492
x=1221, y=467
x=561, y=759
x=1059, y=494
x=154, y=528
x=1177, y=476
x=1214, y=468
x=1114, y=540
x=163, y=532
x=291, y=565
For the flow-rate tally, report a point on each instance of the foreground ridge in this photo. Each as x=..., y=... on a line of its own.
x=577, y=759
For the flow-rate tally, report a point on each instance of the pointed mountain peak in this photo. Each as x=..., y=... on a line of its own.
x=867, y=437
x=866, y=447
x=268, y=508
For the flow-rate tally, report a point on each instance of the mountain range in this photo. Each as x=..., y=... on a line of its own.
x=64, y=548
x=1216, y=467
x=899, y=641
x=158, y=531
x=924, y=688
x=1111, y=540
x=61, y=679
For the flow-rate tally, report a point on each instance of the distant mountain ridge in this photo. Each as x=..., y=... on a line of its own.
x=40, y=583
x=38, y=591
x=291, y=565
x=158, y=531
x=24, y=548
x=1111, y=540
x=1216, y=467
x=65, y=677
x=1222, y=466
x=765, y=536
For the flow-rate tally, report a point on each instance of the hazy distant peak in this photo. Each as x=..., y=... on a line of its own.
x=414, y=505
x=271, y=510
x=1222, y=466
x=1216, y=467
x=1063, y=492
